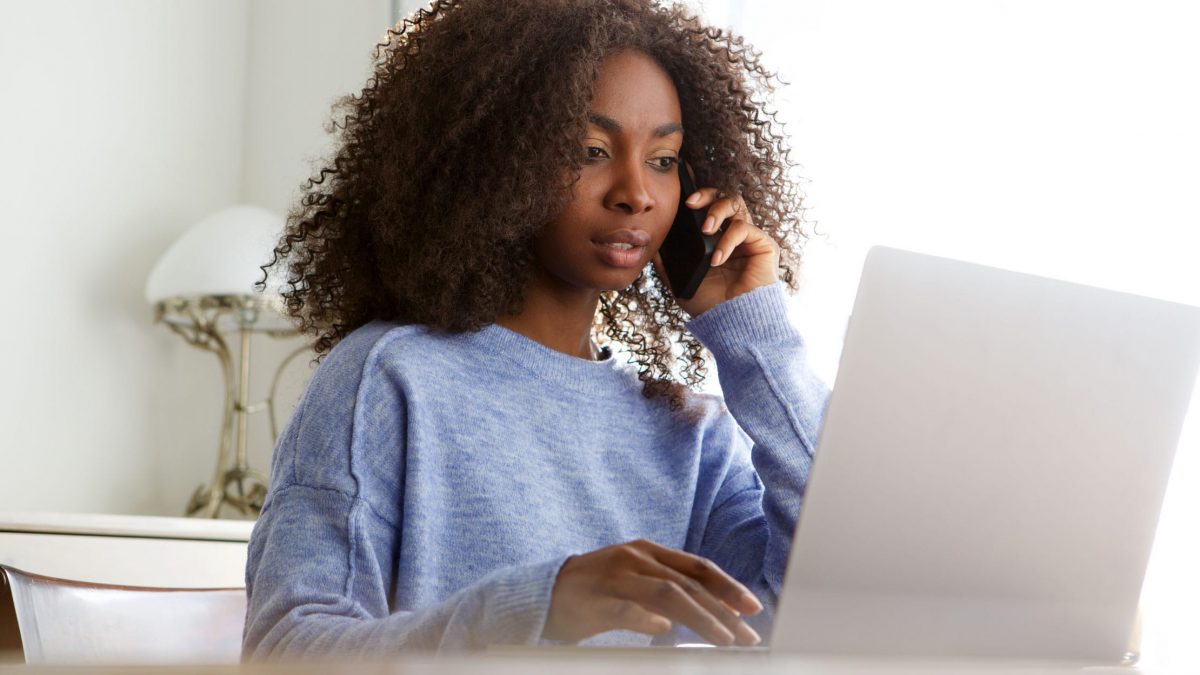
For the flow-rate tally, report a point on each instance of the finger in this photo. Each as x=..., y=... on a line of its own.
x=743, y=235
x=743, y=633
x=667, y=598
x=720, y=211
x=720, y=584
x=702, y=197
x=620, y=614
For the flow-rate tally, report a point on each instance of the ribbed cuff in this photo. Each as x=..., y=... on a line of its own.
x=520, y=602
x=756, y=317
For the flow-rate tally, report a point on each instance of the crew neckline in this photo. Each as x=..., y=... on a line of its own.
x=563, y=369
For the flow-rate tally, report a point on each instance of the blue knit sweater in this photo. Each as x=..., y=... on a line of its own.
x=429, y=485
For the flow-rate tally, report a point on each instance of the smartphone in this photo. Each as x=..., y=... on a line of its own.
x=687, y=252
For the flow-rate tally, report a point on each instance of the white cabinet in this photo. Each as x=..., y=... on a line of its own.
x=129, y=550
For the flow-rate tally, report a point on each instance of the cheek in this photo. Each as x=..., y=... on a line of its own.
x=559, y=241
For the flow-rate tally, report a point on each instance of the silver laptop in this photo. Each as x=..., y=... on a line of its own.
x=991, y=467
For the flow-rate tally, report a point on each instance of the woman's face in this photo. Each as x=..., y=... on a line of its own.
x=628, y=191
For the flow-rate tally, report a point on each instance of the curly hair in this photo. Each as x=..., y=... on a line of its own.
x=454, y=156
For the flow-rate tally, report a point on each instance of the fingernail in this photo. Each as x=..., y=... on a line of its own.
x=716, y=260
x=694, y=198
x=753, y=635
x=708, y=223
x=749, y=599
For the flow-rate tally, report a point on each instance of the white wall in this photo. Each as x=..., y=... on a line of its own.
x=123, y=123
x=303, y=55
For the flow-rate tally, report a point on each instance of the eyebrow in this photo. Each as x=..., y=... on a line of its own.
x=609, y=124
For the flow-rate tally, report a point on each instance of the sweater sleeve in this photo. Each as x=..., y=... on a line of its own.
x=321, y=563
x=778, y=404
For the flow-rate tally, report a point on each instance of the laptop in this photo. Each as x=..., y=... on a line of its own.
x=991, y=467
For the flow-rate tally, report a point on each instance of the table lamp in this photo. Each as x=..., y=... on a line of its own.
x=203, y=289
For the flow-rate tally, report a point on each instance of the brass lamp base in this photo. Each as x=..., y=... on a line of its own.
x=200, y=322
x=242, y=489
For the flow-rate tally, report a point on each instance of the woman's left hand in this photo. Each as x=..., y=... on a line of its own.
x=745, y=257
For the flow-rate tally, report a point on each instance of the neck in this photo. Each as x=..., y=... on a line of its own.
x=557, y=316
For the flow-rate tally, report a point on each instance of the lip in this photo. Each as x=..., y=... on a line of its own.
x=626, y=259
x=633, y=237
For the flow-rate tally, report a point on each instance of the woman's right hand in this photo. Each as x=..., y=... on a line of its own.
x=644, y=587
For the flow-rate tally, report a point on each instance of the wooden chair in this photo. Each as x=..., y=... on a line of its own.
x=44, y=620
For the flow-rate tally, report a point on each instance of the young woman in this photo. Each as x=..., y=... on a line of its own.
x=467, y=466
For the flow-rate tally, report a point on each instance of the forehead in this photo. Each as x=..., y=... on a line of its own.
x=634, y=90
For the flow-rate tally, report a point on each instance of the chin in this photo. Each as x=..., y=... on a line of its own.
x=616, y=280
x=595, y=276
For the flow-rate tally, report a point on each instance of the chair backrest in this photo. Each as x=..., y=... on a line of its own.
x=44, y=620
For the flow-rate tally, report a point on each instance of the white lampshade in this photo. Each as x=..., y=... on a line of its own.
x=203, y=289
x=220, y=255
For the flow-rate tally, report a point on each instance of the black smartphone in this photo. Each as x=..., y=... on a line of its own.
x=687, y=252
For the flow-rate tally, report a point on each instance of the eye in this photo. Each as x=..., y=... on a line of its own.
x=588, y=152
x=671, y=161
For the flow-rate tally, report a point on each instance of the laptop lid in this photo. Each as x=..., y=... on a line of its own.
x=991, y=467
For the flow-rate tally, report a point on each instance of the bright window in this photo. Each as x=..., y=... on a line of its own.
x=1056, y=138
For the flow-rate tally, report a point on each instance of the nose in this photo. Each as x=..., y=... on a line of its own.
x=629, y=191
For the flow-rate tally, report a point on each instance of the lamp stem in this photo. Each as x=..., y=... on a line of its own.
x=243, y=396
x=216, y=489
